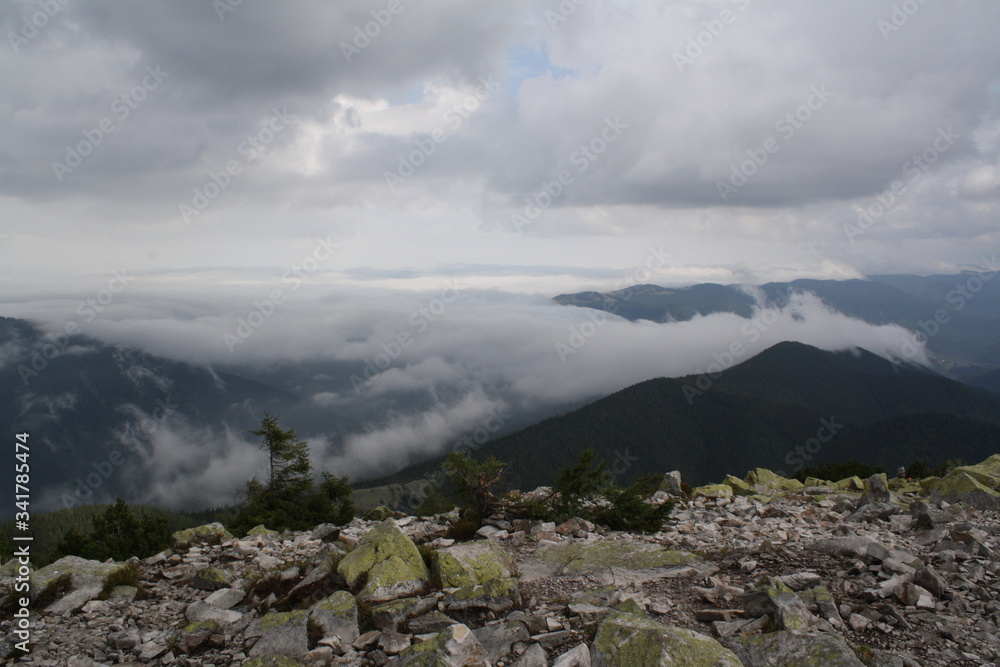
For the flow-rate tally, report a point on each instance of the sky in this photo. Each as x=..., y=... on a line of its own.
x=743, y=136
x=169, y=170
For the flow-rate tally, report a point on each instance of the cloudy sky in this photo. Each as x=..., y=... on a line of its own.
x=180, y=164
x=429, y=138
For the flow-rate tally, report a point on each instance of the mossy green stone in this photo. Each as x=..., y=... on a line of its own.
x=261, y=531
x=211, y=533
x=626, y=639
x=341, y=603
x=272, y=661
x=816, y=481
x=469, y=565
x=389, y=563
x=576, y=557
x=272, y=620
x=712, y=491
x=208, y=624
x=771, y=480
x=794, y=648
x=739, y=487
x=854, y=483
x=72, y=566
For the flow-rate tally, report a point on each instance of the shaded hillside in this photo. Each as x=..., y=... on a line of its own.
x=760, y=413
x=91, y=411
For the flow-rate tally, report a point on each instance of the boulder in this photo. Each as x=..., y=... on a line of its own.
x=739, y=487
x=876, y=490
x=70, y=582
x=209, y=534
x=853, y=483
x=627, y=639
x=778, y=602
x=864, y=548
x=712, y=491
x=455, y=646
x=672, y=483
x=499, y=638
x=199, y=611
x=280, y=633
x=787, y=648
x=481, y=571
x=392, y=616
x=211, y=579
x=337, y=616
x=617, y=562
x=385, y=565
x=976, y=486
x=765, y=481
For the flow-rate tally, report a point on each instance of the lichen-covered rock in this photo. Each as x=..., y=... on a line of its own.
x=388, y=564
x=498, y=639
x=876, y=490
x=793, y=649
x=854, y=483
x=210, y=534
x=778, y=602
x=337, y=616
x=79, y=580
x=713, y=491
x=272, y=661
x=261, y=531
x=579, y=557
x=211, y=579
x=455, y=646
x=469, y=564
x=280, y=633
x=391, y=616
x=764, y=480
x=976, y=485
x=627, y=639
x=740, y=488
x=864, y=548
x=319, y=580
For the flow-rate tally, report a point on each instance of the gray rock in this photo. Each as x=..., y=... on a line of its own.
x=434, y=621
x=931, y=580
x=199, y=611
x=793, y=648
x=336, y=616
x=225, y=598
x=874, y=512
x=864, y=548
x=575, y=657
x=456, y=645
x=533, y=656
x=498, y=638
x=876, y=491
x=280, y=634
x=627, y=639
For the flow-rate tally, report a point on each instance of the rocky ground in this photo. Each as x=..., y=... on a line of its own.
x=762, y=571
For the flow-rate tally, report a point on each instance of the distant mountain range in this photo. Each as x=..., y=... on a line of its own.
x=959, y=315
x=790, y=406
